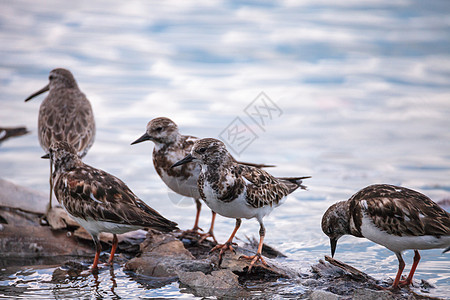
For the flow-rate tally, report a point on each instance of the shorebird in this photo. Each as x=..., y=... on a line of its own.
x=394, y=217
x=170, y=147
x=237, y=191
x=64, y=115
x=8, y=132
x=99, y=201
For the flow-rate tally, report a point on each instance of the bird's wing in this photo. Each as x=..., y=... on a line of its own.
x=262, y=188
x=90, y=193
x=401, y=211
x=66, y=115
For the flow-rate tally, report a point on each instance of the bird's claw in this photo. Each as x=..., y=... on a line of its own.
x=254, y=259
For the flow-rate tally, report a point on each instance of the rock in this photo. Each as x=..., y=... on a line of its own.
x=233, y=262
x=222, y=279
x=38, y=241
x=162, y=256
x=58, y=218
x=367, y=294
x=19, y=197
x=217, y=284
x=323, y=295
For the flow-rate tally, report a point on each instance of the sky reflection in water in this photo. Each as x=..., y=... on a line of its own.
x=363, y=89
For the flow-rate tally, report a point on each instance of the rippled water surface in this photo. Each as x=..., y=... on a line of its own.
x=362, y=90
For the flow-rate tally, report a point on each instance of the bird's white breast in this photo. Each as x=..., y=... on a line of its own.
x=238, y=208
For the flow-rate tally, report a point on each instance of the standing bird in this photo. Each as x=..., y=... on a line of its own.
x=237, y=191
x=99, y=201
x=64, y=115
x=170, y=147
x=395, y=217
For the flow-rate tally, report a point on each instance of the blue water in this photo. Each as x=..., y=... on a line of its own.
x=362, y=91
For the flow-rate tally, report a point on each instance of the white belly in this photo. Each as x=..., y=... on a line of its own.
x=95, y=227
x=236, y=209
x=187, y=188
x=401, y=243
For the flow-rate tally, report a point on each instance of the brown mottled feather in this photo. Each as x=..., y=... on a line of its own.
x=162, y=158
x=265, y=189
x=90, y=193
x=228, y=178
x=172, y=147
x=399, y=211
x=66, y=114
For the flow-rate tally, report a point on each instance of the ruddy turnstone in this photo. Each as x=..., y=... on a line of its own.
x=237, y=191
x=64, y=115
x=98, y=201
x=170, y=147
x=395, y=217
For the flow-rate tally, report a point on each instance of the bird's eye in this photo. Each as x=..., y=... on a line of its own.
x=158, y=129
x=51, y=77
x=201, y=150
x=330, y=229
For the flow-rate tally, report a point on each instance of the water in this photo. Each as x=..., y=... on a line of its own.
x=363, y=90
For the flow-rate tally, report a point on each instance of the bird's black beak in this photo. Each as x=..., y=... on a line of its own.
x=333, y=243
x=44, y=89
x=144, y=137
x=185, y=160
x=46, y=156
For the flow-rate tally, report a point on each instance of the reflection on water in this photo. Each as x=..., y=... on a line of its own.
x=362, y=86
x=109, y=283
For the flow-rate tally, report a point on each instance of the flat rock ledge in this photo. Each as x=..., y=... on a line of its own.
x=157, y=259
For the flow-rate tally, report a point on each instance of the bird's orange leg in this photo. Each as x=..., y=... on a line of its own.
x=98, y=249
x=195, y=229
x=258, y=255
x=210, y=232
x=228, y=244
x=401, y=266
x=113, y=249
x=413, y=269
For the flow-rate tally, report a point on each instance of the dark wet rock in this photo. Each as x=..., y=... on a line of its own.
x=219, y=283
x=367, y=294
x=22, y=236
x=323, y=295
x=163, y=255
x=70, y=269
x=347, y=282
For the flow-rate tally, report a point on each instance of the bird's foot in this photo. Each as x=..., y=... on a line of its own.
x=254, y=259
x=192, y=232
x=403, y=283
x=223, y=248
x=204, y=236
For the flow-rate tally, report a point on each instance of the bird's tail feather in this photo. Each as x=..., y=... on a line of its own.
x=294, y=182
x=259, y=166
